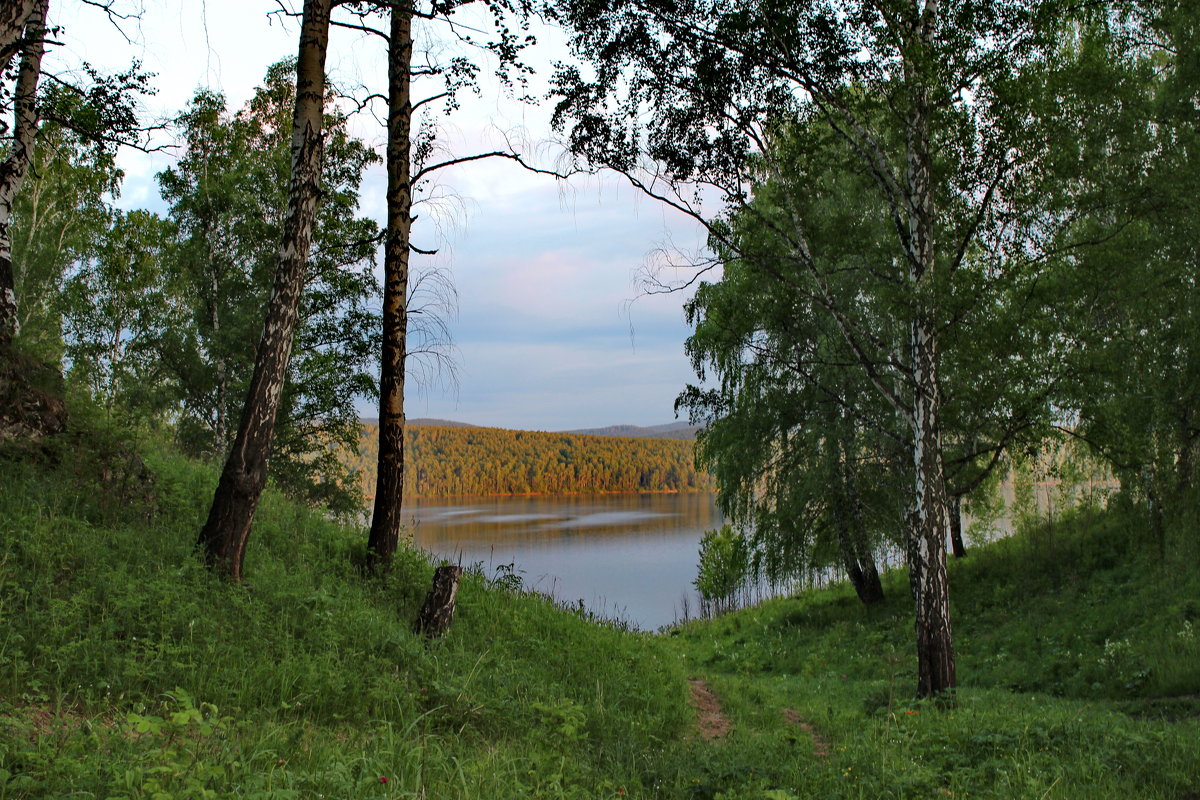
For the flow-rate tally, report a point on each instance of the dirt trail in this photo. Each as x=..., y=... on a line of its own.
x=712, y=723
x=820, y=743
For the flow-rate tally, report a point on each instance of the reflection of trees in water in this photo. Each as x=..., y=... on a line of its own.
x=546, y=523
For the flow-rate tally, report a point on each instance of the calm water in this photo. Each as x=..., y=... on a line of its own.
x=627, y=556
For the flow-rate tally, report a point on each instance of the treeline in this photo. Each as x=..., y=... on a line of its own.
x=445, y=461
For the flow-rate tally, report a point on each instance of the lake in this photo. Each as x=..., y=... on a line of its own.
x=628, y=556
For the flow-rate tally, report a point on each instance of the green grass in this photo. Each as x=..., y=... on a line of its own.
x=1077, y=660
x=128, y=671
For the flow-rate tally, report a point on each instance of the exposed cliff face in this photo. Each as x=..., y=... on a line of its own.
x=31, y=398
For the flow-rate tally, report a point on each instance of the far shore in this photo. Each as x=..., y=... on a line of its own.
x=551, y=494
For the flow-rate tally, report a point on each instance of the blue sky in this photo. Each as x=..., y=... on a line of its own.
x=546, y=336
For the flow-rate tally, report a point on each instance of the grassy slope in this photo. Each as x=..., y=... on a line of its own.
x=1079, y=667
x=127, y=671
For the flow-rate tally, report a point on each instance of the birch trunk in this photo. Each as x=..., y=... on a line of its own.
x=386, y=522
x=223, y=537
x=930, y=520
x=956, y=540
x=930, y=513
x=13, y=17
x=12, y=171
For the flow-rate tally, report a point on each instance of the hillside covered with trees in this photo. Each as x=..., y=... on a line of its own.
x=444, y=461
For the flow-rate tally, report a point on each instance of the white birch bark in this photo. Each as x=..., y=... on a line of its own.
x=223, y=538
x=20, y=156
x=930, y=513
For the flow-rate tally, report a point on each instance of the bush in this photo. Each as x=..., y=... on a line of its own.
x=723, y=572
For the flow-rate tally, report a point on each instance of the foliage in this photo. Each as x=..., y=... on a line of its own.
x=806, y=453
x=214, y=263
x=724, y=570
x=60, y=217
x=116, y=301
x=480, y=461
x=1137, y=314
x=126, y=669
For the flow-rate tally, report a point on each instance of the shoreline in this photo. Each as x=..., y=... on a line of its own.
x=551, y=494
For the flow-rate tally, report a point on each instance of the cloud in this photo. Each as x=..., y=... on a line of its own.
x=553, y=332
x=545, y=270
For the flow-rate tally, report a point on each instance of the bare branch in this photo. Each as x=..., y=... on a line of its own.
x=515, y=157
x=114, y=17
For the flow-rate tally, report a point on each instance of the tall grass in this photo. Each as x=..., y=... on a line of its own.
x=127, y=670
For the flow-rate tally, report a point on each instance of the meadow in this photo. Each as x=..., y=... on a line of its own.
x=128, y=671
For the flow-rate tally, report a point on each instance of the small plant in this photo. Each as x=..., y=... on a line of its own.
x=183, y=759
x=563, y=720
x=507, y=578
x=724, y=568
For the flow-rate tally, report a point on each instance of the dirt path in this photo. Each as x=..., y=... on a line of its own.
x=820, y=743
x=712, y=723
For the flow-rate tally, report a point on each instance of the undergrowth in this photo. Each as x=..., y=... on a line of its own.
x=128, y=671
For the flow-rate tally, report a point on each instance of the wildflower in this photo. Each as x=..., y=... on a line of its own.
x=382, y=779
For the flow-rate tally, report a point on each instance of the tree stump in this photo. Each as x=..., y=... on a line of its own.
x=438, y=611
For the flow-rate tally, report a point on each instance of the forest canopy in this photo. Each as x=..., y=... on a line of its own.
x=447, y=461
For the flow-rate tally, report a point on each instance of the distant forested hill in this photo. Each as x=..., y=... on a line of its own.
x=446, y=461
x=672, y=430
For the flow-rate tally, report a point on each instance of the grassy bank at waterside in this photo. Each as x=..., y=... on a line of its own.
x=127, y=670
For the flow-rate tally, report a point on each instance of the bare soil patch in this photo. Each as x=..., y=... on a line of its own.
x=820, y=743
x=711, y=722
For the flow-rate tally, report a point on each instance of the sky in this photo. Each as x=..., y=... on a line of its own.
x=553, y=331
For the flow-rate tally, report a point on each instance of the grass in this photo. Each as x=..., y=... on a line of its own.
x=128, y=671
x=1078, y=669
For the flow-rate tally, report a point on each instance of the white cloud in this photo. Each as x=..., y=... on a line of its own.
x=544, y=270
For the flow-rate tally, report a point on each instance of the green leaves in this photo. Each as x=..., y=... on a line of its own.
x=227, y=196
x=724, y=569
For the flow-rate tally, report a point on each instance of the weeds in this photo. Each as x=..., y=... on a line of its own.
x=127, y=670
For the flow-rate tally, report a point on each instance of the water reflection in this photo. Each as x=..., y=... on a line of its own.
x=632, y=556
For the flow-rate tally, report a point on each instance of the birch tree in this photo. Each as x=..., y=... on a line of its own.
x=223, y=538
x=20, y=155
x=413, y=156
x=930, y=100
x=98, y=113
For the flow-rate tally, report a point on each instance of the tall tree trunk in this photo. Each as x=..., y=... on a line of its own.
x=223, y=537
x=930, y=515
x=14, y=15
x=852, y=534
x=956, y=540
x=12, y=171
x=386, y=522
x=930, y=519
